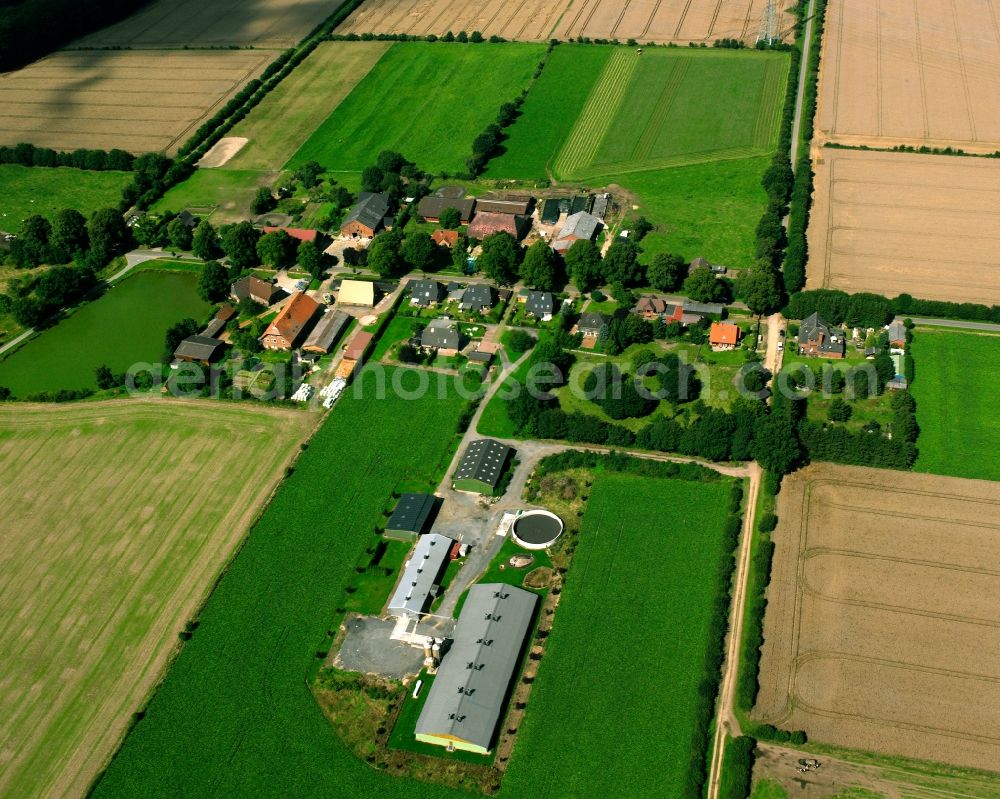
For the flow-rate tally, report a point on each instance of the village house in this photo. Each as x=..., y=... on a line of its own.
x=539, y=304
x=818, y=340
x=258, y=290
x=723, y=336
x=652, y=308
x=590, y=324
x=478, y=298
x=897, y=334
x=292, y=324
x=368, y=216
x=441, y=336
x=424, y=293
x=445, y=238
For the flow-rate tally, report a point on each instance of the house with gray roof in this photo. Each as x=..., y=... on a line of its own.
x=411, y=516
x=466, y=702
x=368, y=216
x=590, y=324
x=540, y=304
x=478, y=297
x=420, y=577
x=481, y=467
x=819, y=340
x=425, y=292
x=580, y=225
x=441, y=335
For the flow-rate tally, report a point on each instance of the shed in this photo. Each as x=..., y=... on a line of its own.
x=411, y=516
x=550, y=211
x=481, y=466
x=201, y=349
x=431, y=207
x=420, y=575
x=356, y=292
x=485, y=224
x=519, y=207
x=326, y=332
x=355, y=351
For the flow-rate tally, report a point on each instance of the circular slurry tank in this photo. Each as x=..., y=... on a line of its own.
x=537, y=529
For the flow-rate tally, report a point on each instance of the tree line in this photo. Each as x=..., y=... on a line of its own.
x=27, y=154
x=874, y=310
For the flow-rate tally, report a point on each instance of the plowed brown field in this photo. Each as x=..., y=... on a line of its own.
x=911, y=72
x=896, y=223
x=137, y=101
x=883, y=619
x=540, y=20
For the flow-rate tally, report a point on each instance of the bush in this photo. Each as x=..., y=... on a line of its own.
x=518, y=341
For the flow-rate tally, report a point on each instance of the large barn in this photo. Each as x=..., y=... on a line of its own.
x=466, y=702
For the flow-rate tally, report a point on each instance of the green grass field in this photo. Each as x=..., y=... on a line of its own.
x=123, y=327
x=38, y=190
x=956, y=386
x=118, y=517
x=627, y=650
x=548, y=113
x=221, y=195
x=288, y=115
x=607, y=111
x=427, y=101
x=709, y=210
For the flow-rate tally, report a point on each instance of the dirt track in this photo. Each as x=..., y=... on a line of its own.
x=137, y=101
x=883, y=618
x=118, y=517
x=540, y=20
x=911, y=72
x=896, y=223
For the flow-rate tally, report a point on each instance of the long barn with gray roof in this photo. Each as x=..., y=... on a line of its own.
x=466, y=702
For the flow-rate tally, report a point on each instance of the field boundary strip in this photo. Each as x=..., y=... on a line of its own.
x=667, y=162
x=774, y=84
x=644, y=146
x=595, y=119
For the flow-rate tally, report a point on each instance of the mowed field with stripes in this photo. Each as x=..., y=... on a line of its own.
x=119, y=515
x=604, y=111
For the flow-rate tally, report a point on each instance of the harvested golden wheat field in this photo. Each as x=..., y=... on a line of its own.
x=911, y=72
x=883, y=618
x=540, y=20
x=137, y=101
x=118, y=516
x=892, y=223
x=196, y=23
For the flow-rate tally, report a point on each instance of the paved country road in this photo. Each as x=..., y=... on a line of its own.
x=987, y=327
x=800, y=94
